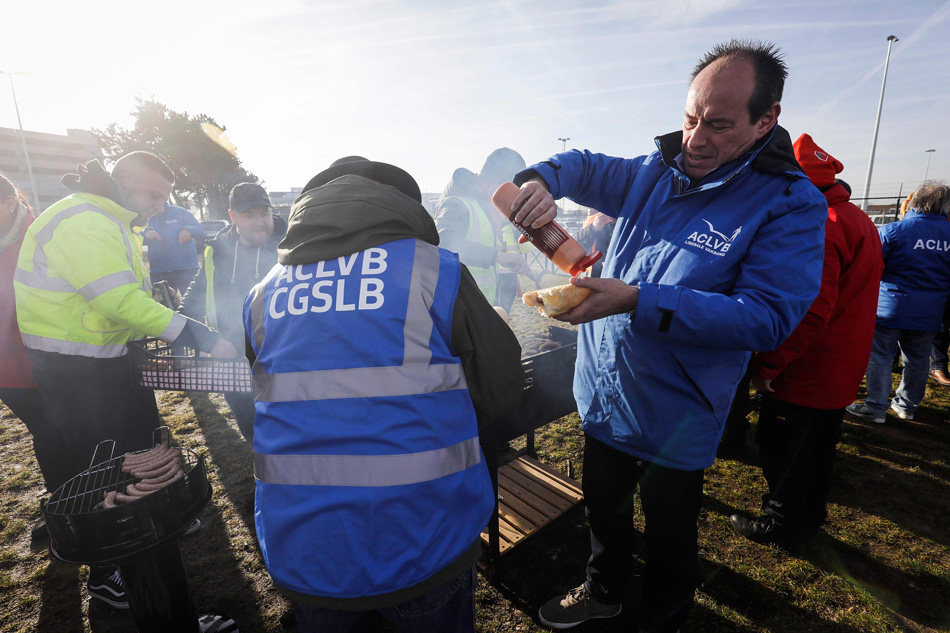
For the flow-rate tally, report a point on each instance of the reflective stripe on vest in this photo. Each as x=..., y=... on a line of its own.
x=72, y=348
x=367, y=470
x=211, y=309
x=39, y=277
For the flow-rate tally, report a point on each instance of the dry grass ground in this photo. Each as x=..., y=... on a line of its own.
x=881, y=564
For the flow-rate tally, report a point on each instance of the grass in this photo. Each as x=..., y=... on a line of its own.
x=881, y=564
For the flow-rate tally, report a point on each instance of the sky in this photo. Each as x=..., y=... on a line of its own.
x=431, y=85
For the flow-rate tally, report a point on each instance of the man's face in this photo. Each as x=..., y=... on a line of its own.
x=254, y=226
x=143, y=192
x=716, y=127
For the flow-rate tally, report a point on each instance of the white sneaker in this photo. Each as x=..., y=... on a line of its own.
x=862, y=410
x=903, y=415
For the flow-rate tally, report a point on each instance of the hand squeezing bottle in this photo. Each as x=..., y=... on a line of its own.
x=551, y=239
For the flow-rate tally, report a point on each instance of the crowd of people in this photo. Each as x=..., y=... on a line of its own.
x=732, y=255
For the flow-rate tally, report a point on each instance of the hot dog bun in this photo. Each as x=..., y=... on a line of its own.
x=557, y=300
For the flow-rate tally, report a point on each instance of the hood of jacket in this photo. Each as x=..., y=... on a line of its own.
x=348, y=215
x=93, y=178
x=774, y=154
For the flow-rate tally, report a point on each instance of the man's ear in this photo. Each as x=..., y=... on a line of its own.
x=231, y=215
x=767, y=121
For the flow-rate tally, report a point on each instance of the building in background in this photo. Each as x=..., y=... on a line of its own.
x=51, y=156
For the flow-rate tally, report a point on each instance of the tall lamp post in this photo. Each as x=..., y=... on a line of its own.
x=26, y=153
x=564, y=143
x=930, y=154
x=877, y=123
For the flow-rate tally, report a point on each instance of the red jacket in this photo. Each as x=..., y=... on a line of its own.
x=16, y=371
x=821, y=364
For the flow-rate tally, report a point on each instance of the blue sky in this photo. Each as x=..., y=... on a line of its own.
x=431, y=86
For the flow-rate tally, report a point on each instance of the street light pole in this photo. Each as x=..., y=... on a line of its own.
x=26, y=153
x=930, y=153
x=564, y=143
x=877, y=123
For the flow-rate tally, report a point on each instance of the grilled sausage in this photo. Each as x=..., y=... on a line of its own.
x=148, y=458
x=157, y=470
x=152, y=486
x=109, y=501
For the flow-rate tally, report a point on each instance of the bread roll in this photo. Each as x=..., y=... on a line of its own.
x=557, y=300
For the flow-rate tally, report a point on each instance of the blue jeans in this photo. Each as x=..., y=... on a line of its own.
x=915, y=356
x=449, y=608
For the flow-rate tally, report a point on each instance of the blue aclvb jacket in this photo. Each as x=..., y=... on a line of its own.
x=371, y=488
x=725, y=267
x=167, y=255
x=916, y=280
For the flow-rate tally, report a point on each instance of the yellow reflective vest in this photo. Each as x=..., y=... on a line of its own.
x=81, y=285
x=482, y=230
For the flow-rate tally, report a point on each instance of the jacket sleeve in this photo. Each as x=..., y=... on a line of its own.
x=452, y=221
x=779, y=278
x=194, y=227
x=193, y=303
x=592, y=180
x=91, y=254
x=769, y=365
x=490, y=353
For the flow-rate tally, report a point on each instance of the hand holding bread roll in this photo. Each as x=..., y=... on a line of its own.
x=557, y=300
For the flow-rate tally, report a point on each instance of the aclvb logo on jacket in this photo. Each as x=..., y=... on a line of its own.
x=711, y=240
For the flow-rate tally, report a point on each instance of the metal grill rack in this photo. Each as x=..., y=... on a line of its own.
x=140, y=537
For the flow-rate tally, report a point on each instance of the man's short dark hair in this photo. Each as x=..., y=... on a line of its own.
x=768, y=64
x=145, y=161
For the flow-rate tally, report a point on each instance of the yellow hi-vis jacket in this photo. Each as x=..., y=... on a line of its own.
x=81, y=285
x=481, y=230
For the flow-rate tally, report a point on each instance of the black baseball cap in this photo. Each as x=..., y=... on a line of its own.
x=248, y=195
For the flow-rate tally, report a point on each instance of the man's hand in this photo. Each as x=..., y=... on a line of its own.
x=223, y=349
x=151, y=234
x=762, y=385
x=610, y=296
x=534, y=204
x=514, y=261
x=184, y=236
x=601, y=220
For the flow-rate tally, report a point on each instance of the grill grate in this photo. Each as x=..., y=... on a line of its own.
x=84, y=493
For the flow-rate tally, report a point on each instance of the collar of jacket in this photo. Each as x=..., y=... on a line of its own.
x=836, y=194
x=772, y=154
x=348, y=215
x=111, y=207
x=914, y=214
x=93, y=179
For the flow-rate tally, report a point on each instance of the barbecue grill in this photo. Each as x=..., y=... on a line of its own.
x=140, y=537
x=548, y=395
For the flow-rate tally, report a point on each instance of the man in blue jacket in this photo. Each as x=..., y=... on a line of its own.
x=914, y=289
x=717, y=251
x=170, y=237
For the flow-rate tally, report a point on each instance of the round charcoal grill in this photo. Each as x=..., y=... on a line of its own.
x=140, y=537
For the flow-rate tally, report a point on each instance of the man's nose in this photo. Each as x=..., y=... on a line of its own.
x=697, y=137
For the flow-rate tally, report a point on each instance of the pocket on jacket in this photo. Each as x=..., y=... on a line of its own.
x=713, y=374
x=99, y=324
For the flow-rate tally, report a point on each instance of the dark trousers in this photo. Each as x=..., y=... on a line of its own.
x=797, y=448
x=449, y=608
x=737, y=422
x=48, y=445
x=177, y=279
x=938, y=355
x=671, y=500
x=242, y=406
x=89, y=400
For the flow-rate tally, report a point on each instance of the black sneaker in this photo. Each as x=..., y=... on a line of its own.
x=110, y=589
x=764, y=530
x=216, y=623
x=576, y=606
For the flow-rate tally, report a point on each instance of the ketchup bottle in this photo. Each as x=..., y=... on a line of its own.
x=551, y=239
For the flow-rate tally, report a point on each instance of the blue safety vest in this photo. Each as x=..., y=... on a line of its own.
x=369, y=474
